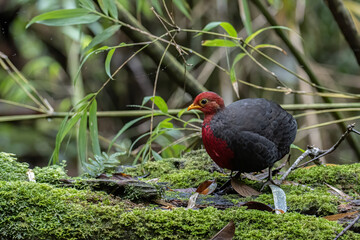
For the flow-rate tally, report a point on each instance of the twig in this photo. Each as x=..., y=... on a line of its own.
x=347, y=227
x=318, y=153
x=330, y=150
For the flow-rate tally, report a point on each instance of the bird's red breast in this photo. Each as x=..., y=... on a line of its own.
x=217, y=148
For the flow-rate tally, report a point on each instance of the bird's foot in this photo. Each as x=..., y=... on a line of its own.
x=269, y=182
x=226, y=187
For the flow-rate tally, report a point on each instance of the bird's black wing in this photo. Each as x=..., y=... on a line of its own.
x=266, y=121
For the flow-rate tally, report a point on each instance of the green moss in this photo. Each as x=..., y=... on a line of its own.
x=189, y=171
x=345, y=177
x=305, y=200
x=12, y=170
x=41, y=211
x=188, y=178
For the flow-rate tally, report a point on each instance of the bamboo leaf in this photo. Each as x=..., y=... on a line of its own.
x=94, y=136
x=159, y=102
x=229, y=29
x=183, y=7
x=65, y=17
x=108, y=61
x=108, y=7
x=65, y=127
x=225, y=25
x=82, y=138
x=245, y=16
x=156, y=156
x=232, y=70
x=101, y=37
x=88, y=4
x=269, y=46
x=124, y=128
x=252, y=36
x=219, y=43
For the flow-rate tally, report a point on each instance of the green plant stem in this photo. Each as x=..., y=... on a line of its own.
x=176, y=71
x=139, y=113
x=301, y=60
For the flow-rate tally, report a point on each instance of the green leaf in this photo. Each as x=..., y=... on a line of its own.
x=108, y=61
x=101, y=37
x=229, y=29
x=94, y=129
x=269, y=46
x=82, y=138
x=232, y=70
x=210, y=26
x=225, y=25
x=156, y=4
x=124, y=128
x=182, y=111
x=88, y=4
x=108, y=7
x=252, y=36
x=165, y=124
x=156, y=156
x=297, y=147
x=246, y=16
x=183, y=7
x=219, y=43
x=65, y=127
x=84, y=100
x=159, y=102
x=65, y=17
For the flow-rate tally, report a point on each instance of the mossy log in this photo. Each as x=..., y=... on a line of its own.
x=47, y=210
x=126, y=188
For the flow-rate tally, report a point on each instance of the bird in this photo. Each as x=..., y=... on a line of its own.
x=248, y=135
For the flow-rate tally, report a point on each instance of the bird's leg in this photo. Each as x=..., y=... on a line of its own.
x=223, y=189
x=269, y=181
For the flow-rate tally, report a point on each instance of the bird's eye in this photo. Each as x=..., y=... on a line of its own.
x=203, y=101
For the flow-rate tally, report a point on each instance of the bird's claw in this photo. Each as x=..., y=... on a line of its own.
x=268, y=182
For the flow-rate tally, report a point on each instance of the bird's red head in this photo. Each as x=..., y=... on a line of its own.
x=207, y=102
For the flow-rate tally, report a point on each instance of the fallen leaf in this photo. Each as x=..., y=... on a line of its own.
x=339, y=216
x=207, y=187
x=192, y=201
x=243, y=189
x=279, y=199
x=184, y=190
x=339, y=192
x=256, y=205
x=163, y=203
x=227, y=233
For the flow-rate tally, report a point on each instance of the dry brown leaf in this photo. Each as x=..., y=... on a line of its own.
x=207, y=187
x=257, y=205
x=163, y=203
x=243, y=189
x=227, y=233
x=339, y=216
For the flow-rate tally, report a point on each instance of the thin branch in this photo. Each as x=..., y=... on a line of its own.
x=333, y=148
x=318, y=153
x=347, y=227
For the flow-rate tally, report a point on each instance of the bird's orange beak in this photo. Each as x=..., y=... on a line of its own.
x=193, y=106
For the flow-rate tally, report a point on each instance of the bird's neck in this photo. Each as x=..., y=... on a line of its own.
x=208, y=118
